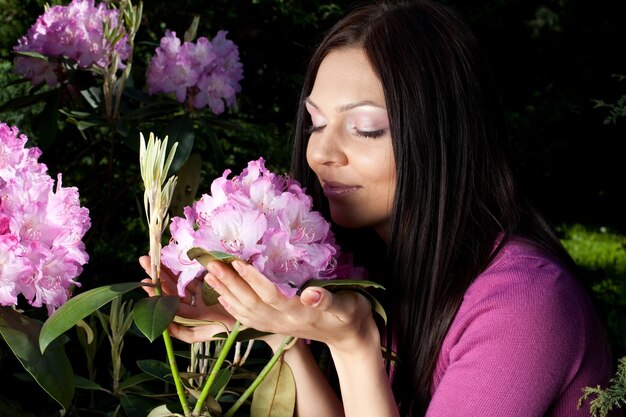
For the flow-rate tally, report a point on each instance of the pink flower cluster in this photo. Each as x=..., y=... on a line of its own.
x=201, y=73
x=74, y=32
x=41, y=252
x=262, y=218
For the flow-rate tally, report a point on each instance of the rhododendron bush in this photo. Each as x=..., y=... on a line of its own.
x=199, y=73
x=72, y=35
x=41, y=227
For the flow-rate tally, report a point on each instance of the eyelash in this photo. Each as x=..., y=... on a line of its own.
x=312, y=129
x=374, y=134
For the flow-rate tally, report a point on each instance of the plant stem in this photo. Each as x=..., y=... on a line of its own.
x=277, y=355
x=216, y=368
x=171, y=359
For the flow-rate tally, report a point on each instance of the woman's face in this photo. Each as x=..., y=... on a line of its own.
x=350, y=147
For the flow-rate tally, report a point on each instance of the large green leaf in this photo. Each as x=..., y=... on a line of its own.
x=205, y=256
x=209, y=295
x=244, y=335
x=45, y=124
x=181, y=131
x=153, y=314
x=86, y=384
x=340, y=284
x=134, y=405
x=52, y=370
x=152, y=110
x=163, y=411
x=78, y=308
x=135, y=380
x=189, y=177
x=157, y=369
x=24, y=101
x=276, y=394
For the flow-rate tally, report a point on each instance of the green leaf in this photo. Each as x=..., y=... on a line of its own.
x=137, y=94
x=335, y=285
x=189, y=177
x=25, y=101
x=276, y=395
x=84, y=383
x=135, y=380
x=209, y=295
x=153, y=314
x=92, y=96
x=157, y=369
x=52, y=370
x=30, y=54
x=204, y=256
x=222, y=379
x=163, y=411
x=135, y=406
x=78, y=308
x=244, y=335
x=180, y=130
x=45, y=123
x=340, y=284
x=155, y=109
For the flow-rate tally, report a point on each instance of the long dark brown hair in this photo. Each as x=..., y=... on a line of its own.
x=455, y=195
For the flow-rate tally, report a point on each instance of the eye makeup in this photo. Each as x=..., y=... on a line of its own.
x=362, y=119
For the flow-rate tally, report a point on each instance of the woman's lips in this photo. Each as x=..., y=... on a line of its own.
x=336, y=189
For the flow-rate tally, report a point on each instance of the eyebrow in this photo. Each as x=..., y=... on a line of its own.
x=349, y=106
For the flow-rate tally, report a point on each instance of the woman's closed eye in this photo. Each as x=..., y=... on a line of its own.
x=314, y=129
x=370, y=134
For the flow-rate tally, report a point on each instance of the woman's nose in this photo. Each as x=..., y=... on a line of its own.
x=325, y=147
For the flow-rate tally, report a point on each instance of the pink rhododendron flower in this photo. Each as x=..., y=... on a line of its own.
x=74, y=32
x=264, y=219
x=41, y=251
x=204, y=73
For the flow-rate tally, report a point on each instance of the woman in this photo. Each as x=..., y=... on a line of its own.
x=399, y=134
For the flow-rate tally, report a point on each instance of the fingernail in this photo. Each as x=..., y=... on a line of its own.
x=239, y=266
x=209, y=279
x=313, y=296
x=214, y=269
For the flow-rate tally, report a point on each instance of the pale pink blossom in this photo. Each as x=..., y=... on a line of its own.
x=41, y=228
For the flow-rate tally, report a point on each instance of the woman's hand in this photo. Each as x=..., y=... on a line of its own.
x=342, y=320
x=191, y=306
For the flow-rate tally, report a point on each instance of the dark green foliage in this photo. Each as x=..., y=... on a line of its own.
x=602, y=401
x=601, y=253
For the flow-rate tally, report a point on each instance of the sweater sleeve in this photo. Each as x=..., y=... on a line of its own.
x=514, y=347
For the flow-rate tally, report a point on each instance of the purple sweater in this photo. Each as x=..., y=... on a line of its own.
x=524, y=343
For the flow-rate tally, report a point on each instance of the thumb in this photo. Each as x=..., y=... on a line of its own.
x=144, y=261
x=317, y=297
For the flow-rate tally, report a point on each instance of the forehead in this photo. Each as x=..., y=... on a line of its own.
x=345, y=76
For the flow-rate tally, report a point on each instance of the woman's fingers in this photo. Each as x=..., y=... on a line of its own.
x=148, y=288
x=230, y=286
x=265, y=289
x=317, y=298
x=196, y=333
x=169, y=281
